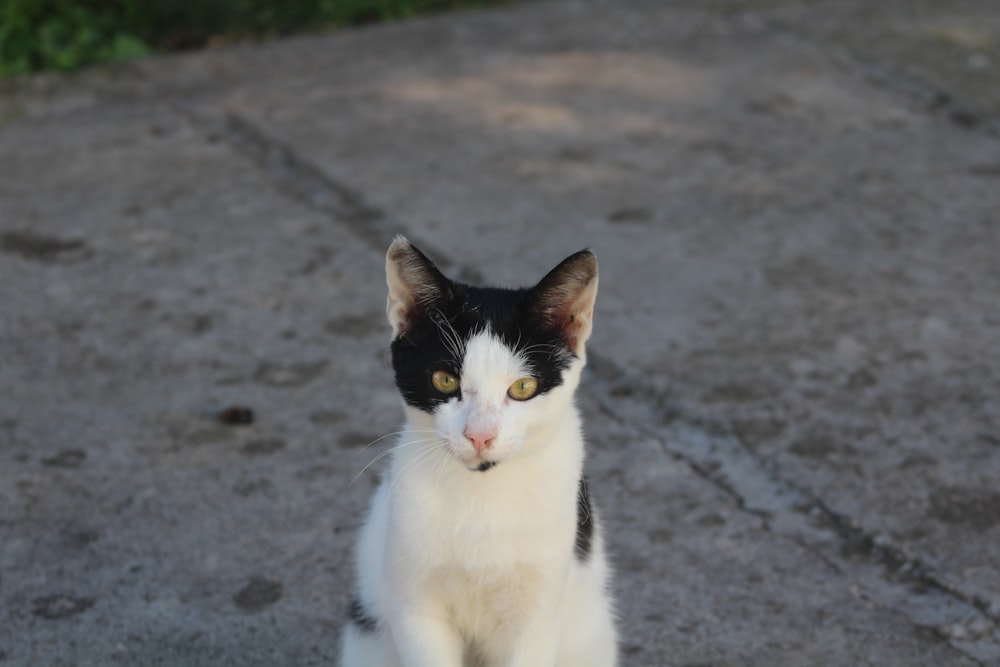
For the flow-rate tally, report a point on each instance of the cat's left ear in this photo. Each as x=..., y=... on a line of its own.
x=564, y=299
x=414, y=285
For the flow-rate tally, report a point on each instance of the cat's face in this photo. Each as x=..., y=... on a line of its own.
x=487, y=371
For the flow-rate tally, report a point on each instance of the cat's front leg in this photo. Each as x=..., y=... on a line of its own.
x=538, y=643
x=422, y=640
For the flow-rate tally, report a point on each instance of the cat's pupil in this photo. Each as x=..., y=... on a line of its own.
x=523, y=389
x=444, y=382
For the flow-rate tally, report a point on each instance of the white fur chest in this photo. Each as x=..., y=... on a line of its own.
x=483, y=559
x=463, y=521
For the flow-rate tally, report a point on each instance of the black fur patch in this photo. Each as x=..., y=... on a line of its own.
x=485, y=465
x=357, y=615
x=437, y=336
x=584, y=523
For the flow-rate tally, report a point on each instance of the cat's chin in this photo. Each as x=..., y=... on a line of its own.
x=478, y=464
x=474, y=463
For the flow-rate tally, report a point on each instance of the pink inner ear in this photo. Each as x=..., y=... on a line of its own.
x=568, y=328
x=413, y=281
x=565, y=298
x=573, y=319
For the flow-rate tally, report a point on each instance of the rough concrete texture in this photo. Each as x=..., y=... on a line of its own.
x=792, y=405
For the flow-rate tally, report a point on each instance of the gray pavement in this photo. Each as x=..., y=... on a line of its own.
x=793, y=406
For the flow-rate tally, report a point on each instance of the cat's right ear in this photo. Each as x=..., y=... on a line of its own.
x=414, y=284
x=564, y=299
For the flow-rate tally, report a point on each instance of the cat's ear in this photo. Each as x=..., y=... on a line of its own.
x=414, y=283
x=564, y=299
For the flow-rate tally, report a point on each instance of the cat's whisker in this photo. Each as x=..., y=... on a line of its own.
x=382, y=455
x=403, y=428
x=406, y=426
x=370, y=464
x=453, y=340
x=380, y=439
x=440, y=465
x=418, y=459
x=415, y=429
x=552, y=349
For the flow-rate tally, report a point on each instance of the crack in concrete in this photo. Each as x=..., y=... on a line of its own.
x=902, y=582
x=306, y=183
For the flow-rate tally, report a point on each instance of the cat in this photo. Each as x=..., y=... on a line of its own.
x=482, y=548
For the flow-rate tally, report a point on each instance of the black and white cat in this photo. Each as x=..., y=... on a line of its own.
x=482, y=548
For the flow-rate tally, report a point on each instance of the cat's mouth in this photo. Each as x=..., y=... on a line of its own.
x=474, y=463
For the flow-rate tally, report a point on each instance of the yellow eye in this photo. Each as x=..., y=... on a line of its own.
x=523, y=389
x=444, y=382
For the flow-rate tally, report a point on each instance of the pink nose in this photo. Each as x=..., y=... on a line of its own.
x=481, y=438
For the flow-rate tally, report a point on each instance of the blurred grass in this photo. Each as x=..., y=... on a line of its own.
x=67, y=34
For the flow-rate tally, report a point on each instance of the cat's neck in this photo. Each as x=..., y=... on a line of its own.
x=486, y=519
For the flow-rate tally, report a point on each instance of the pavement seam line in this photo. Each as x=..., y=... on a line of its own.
x=306, y=183
x=790, y=511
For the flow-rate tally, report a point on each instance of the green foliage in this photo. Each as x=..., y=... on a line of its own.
x=62, y=34
x=68, y=34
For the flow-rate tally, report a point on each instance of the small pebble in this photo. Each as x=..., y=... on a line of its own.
x=237, y=415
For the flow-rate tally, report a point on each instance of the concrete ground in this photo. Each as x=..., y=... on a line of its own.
x=793, y=405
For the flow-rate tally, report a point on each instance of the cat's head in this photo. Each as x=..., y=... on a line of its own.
x=489, y=371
